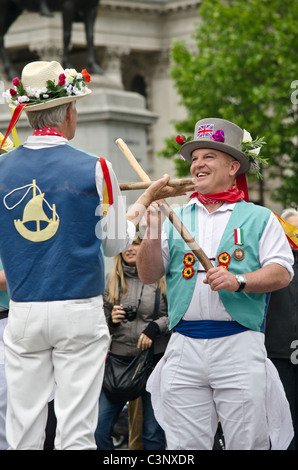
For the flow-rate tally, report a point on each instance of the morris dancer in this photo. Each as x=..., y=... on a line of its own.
x=55, y=227
x=215, y=364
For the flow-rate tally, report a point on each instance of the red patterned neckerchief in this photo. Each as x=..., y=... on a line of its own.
x=48, y=131
x=231, y=195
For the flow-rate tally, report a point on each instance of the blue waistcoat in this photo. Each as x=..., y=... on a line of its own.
x=48, y=245
x=247, y=309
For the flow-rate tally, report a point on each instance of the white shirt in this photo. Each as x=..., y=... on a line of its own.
x=273, y=248
x=117, y=232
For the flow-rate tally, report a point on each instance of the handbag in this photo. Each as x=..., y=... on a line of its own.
x=124, y=378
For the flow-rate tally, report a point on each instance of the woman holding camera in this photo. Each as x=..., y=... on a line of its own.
x=130, y=307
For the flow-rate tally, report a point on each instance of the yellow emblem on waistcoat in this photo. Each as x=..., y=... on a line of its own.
x=34, y=212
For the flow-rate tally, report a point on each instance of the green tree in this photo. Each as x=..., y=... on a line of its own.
x=245, y=70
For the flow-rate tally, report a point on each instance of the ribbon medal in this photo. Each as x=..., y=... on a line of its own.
x=238, y=237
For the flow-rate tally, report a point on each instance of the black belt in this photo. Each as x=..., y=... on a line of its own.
x=3, y=314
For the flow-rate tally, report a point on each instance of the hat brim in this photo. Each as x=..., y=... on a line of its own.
x=55, y=102
x=187, y=149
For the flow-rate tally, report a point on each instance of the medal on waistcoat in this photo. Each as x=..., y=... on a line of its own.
x=238, y=237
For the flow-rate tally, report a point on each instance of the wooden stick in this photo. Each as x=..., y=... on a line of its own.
x=166, y=209
x=144, y=185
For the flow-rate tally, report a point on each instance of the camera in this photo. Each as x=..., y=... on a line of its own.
x=131, y=312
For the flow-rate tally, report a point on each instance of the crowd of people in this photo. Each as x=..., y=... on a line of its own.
x=60, y=316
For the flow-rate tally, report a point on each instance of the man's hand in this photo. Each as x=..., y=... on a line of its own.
x=160, y=190
x=220, y=278
x=156, y=191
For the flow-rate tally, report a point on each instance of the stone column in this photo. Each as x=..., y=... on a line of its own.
x=112, y=65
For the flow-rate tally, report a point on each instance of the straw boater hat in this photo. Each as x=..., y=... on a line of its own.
x=44, y=85
x=218, y=134
x=35, y=78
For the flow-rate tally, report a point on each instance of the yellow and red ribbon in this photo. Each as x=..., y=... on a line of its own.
x=108, y=192
x=290, y=231
x=14, y=119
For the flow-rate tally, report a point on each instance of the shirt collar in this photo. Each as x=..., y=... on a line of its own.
x=224, y=208
x=38, y=141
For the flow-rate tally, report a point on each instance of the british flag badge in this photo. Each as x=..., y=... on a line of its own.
x=205, y=130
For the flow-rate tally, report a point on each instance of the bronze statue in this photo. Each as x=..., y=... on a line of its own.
x=72, y=11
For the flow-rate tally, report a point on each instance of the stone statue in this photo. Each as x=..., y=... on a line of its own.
x=72, y=11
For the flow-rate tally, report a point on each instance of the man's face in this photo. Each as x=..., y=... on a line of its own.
x=214, y=171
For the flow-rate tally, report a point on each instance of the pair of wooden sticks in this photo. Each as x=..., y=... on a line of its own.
x=165, y=208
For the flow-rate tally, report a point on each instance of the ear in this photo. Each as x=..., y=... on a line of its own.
x=69, y=112
x=235, y=165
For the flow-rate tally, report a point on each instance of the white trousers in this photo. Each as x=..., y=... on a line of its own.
x=62, y=342
x=204, y=380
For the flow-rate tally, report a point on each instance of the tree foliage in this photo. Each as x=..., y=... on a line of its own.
x=244, y=70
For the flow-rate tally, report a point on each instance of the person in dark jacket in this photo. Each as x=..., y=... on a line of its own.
x=281, y=336
x=128, y=337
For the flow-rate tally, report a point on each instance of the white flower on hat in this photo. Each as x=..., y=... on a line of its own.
x=246, y=136
x=22, y=99
x=255, y=151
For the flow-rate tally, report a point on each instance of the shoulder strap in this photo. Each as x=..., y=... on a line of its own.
x=157, y=302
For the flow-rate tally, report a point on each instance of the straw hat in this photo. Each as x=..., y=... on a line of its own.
x=45, y=85
x=218, y=134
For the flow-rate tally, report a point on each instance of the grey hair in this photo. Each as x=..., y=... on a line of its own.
x=288, y=213
x=48, y=117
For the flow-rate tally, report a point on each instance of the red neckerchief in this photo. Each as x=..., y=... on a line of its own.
x=48, y=131
x=231, y=195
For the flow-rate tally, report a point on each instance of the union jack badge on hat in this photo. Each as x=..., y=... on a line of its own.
x=218, y=134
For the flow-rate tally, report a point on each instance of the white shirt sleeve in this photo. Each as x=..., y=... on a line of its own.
x=115, y=231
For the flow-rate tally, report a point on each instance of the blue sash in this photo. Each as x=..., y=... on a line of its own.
x=206, y=329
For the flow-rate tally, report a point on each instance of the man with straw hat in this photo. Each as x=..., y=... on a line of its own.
x=215, y=366
x=61, y=209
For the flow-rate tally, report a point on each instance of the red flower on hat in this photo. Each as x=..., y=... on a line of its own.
x=16, y=81
x=62, y=78
x=179, y=139
x=86, y=75
x=12, y=92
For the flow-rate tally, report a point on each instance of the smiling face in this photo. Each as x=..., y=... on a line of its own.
x=130, y=256
x=214, y=171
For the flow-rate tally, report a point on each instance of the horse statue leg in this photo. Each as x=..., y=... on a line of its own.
x=90, y=17
x=68, y=14
x=6, y=21
x=44, y=9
